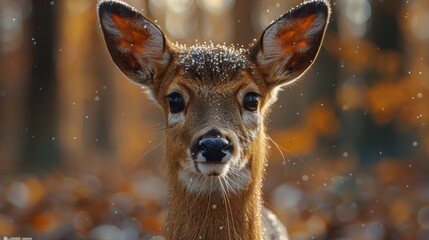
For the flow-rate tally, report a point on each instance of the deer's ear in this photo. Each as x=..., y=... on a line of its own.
x=137, y=46
x=288, y=47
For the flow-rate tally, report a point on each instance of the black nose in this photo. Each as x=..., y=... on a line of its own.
x=212, y=146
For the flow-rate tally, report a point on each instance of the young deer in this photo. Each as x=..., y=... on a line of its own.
x=215, y=100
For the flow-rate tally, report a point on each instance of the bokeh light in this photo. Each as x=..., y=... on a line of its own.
x=348, y=143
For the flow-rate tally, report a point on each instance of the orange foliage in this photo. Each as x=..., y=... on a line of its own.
x=298, y=140
x=384, y=100
x=321, y=120
x=388, y=171
x=7, y=227
x=391, y=85
x=46, y=222
x=37, y=190
x=400, y=212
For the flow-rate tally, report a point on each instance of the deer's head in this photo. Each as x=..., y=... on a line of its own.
x=215, y=98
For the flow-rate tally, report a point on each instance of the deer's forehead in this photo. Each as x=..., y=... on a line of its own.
x=213, y=88
x=213, y=63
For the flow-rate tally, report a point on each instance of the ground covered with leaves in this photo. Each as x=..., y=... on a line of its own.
x=333, y=200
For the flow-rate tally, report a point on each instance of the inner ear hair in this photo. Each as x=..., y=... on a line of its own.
x=137, y=46
x=289, y=46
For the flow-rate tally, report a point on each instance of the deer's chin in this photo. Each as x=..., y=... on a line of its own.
x=206, y=178
x=212, y=169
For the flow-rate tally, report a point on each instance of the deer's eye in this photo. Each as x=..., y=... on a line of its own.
x=175, y=101
x=251, y=101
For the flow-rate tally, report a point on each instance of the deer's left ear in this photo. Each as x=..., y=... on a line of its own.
x=289, y=45
x=137, y=46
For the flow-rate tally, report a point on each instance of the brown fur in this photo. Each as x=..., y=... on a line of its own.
x=213, y=81
x=235, y=216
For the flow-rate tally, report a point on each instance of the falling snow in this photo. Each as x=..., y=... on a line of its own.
x=209, y=61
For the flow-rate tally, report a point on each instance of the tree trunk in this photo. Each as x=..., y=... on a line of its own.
x=41, y=149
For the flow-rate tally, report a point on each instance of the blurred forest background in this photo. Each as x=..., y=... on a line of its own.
x=80, y=154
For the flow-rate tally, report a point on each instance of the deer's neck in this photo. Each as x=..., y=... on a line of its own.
x=214, y=217
x=217, y=215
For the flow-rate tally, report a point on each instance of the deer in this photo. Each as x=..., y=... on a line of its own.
x=215, y=99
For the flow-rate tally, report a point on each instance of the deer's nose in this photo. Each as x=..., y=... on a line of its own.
x=212, y=146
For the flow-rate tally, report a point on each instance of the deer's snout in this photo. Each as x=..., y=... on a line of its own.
x=211, y=147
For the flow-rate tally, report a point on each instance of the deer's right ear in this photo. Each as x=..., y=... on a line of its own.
x=137, y=46
x=290, y=44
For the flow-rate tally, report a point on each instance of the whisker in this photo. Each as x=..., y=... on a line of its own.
x=280, y=151
x=146, y=153
x=202, y=180
x=291, y=153
x=188, y=166
x=158, y=127
x=208, y=206
x=228, y=182
x=228, y=205
x=225, y=199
